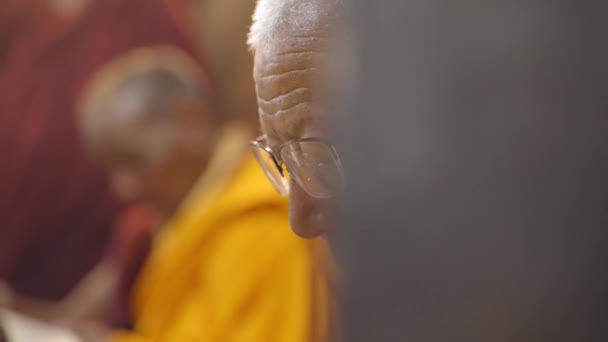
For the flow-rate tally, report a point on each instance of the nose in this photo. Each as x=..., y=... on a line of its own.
x=309, y=217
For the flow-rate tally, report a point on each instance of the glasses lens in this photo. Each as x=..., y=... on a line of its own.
x=271, y=169
x=315, y=166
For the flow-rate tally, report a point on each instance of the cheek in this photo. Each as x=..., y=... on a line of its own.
x=162, y=164
x=172, y=176
x=126, y=186
x=160, y=176
x=156, y=175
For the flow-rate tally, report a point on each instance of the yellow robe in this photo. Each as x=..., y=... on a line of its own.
x=228, y=268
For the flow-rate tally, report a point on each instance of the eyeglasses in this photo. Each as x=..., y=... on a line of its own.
x=312, y=162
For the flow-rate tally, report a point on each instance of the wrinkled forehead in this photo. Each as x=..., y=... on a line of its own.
x=290, y=87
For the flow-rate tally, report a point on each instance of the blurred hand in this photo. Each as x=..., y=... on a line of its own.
x=91, y=331
x=42, y=310
x=2, y=336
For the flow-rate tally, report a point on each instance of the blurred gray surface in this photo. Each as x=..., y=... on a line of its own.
x=476, y=152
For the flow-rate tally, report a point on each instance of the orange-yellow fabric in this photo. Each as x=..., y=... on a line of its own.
x=228, y=268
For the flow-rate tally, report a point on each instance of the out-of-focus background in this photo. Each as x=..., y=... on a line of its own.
x=62, y=227
x=476, y=150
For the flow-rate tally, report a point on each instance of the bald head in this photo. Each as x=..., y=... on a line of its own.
x=151, y=93
x=274, y=19
x=145, y=84
x=290, y=41
x=146, y=117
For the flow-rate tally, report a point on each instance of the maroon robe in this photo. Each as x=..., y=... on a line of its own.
x=56, y=211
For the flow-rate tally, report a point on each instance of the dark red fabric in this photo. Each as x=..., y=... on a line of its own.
x=56, y=212
x=128, y=252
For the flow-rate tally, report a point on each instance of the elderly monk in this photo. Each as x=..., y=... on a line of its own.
x=289, y=40
x=224, y=266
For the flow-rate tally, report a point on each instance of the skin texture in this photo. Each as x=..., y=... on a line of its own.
x=152, y=158
x=292, y=105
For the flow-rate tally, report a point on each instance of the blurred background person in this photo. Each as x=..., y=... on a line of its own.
x=223, y=266
x=58, y=214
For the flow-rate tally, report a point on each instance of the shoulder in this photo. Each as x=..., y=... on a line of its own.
x=261, y=238
x=264, y=227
